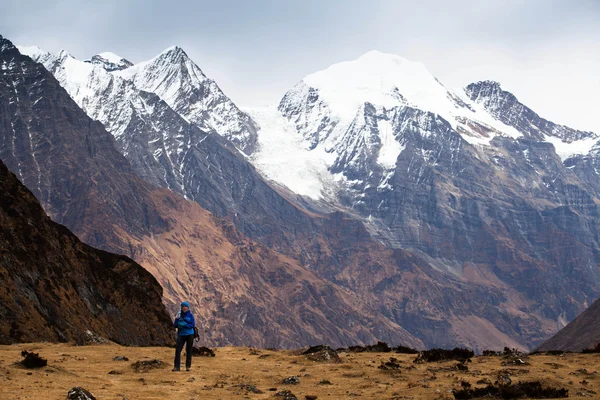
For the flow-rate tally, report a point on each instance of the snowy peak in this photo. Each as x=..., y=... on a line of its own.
x=377, y=78
x=175, y=54
x=385, y=80
x=505, y=107
x=110, y=61
x=5, y=44
x=176, y=79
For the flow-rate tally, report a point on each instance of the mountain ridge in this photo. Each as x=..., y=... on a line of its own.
x=250, y=294
x=461, y=202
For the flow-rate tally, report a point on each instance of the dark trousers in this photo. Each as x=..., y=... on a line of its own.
x=188, y=341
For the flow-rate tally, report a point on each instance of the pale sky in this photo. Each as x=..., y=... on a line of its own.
x=546, y=52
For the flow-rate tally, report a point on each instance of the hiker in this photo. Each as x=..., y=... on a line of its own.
x=185, y=324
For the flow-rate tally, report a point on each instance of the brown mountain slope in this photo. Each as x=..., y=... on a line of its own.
x=245, y=293
x=55, y=288
x=248, y=293
x=581, y=333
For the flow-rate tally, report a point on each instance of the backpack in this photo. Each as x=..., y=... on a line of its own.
x=196, y=334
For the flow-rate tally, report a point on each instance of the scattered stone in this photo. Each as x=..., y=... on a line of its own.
x=515, y=361
x=202, y=352
x=120, y=358
x=437, y=355
x=250, y=388
x=583, y=371
x=310, y=397
x=504, y=379
x=532, y=390
x=88, y=338
x=113, y=372
x=264, y=356
x=287, y=395
x=461, y=367
x=79, y=393
x=554, y=365
x=291, y=380
x=484, y=381
x=324, y=382
x=147, y=365
x=32, y=360
x=322, y=353
x=391, y=365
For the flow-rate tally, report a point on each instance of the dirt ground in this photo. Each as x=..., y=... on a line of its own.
x=235, y=373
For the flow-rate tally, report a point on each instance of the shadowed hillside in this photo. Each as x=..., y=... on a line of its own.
x=55, y=288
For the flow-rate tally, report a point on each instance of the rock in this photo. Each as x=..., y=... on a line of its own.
x=504, y=379
x=391, y=365
x=113, y=372
x=147, y=365
x=291, y=380
x=79, y=393
x=88, y=338
x=120, y=358
x=250, y=388
x=310, y=397
x=202, y=352
x=32, y=360
x=322, y=354
x=287, y=395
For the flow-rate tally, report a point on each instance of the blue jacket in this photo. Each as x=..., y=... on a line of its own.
x=185, y=324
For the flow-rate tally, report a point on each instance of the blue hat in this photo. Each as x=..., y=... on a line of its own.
x=185, y=304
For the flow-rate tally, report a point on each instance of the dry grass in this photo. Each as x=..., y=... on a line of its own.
x=223, y=376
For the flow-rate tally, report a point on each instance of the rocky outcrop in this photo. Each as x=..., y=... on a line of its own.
x=56, y=288
x=507, y=108
x=110, y=62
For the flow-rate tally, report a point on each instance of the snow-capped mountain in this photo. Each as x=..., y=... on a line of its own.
x=176, y=79
x=165, y=149
x=469, y=178
x=505, y=107
x=488, y=212
x=341, y=120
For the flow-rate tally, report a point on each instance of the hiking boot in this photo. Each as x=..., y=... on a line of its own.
x=175, y=370
x=188, y=369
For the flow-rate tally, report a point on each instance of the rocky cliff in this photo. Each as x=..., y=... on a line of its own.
x=55, y=288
